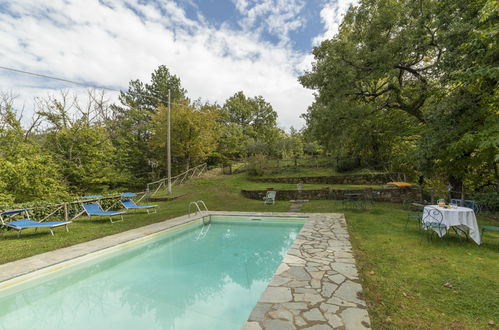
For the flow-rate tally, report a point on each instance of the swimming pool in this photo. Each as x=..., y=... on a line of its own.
x=191, y=277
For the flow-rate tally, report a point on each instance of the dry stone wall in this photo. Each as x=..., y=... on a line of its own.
x=337, y=179
x=396, y=195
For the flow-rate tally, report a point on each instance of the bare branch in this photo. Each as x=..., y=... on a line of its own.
x=33, y=126
x=413, y=71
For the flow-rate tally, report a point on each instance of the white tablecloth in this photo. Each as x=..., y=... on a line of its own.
x=462, y=217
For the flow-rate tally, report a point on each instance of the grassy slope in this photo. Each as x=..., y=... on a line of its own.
x=235, y=183
x=402, y=274
x=292, y=171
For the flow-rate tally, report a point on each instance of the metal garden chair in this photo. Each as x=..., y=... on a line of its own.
x=353, y=200
x=414, y=213
x=269, y=197
x=432, y=222
x=469, y=203
x=488, y=228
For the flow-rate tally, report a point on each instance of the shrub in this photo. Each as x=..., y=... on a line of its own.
x=347, y=164
x=257, y=165
x=488, y=199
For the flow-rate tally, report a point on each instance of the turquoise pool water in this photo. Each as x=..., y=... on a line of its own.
x=200, y=277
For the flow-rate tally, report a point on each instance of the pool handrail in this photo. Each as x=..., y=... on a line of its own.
x=198, y=209
x=203, y=204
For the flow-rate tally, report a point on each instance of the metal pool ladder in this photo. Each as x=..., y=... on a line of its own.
x=198, y=209
x=205, y=228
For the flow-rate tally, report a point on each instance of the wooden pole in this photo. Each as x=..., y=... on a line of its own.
x=462, y=194
x=168, y=147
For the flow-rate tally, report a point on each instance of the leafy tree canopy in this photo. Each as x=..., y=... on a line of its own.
x=411, y=84
x=254, y=115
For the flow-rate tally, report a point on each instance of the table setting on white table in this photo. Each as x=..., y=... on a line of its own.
x=462, y=218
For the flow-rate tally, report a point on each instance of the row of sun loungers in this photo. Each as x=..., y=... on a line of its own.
x=90, y=209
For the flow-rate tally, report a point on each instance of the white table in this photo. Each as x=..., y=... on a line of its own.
x=461, y=217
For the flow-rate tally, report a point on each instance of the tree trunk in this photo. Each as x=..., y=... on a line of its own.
x=496, y=172
x=421, y=187
x=188, y=163
x=457, y=186
x=462, y=195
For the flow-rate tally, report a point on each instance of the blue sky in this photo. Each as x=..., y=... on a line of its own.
x=305, y=15
x=216, y=47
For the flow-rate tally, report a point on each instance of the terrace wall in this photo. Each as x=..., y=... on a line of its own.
x=396, y=195
x=337, y=179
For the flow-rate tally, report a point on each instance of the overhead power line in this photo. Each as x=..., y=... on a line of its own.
x=59, y=79
x=78, y=83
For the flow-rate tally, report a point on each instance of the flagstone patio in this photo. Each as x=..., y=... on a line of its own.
x=317, y=285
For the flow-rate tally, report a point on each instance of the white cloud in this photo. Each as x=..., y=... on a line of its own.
x=331, y=15
x=123, y=40
x=276, y=17
x=241, y=5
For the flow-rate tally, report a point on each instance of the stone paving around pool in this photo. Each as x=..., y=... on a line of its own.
x=317, y=285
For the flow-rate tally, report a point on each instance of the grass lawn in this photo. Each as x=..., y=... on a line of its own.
x=403, y=274
x=298, y=172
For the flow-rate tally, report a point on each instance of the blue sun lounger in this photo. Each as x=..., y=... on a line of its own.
x=27, y=223
x=129, y=203
x=94, y=209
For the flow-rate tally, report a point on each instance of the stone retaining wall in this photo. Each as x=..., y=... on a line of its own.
x=337, y=179
x=396, y=195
